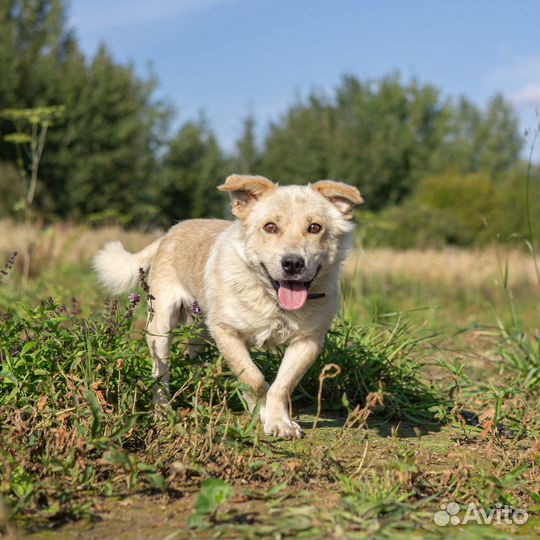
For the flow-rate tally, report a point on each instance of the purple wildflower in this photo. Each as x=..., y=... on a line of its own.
x=9, y=264
x=146, y=288
x=196, y=309
x=134, y=299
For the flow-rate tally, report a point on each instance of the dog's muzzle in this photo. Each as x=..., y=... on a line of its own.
x=292, y=294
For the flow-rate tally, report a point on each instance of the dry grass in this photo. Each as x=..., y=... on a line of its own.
x=64, y=243
x=449, y=266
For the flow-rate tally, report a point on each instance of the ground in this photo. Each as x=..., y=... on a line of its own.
x=436, y=405
x=310, y=508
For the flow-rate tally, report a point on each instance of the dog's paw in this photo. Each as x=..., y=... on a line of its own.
x=282, y=427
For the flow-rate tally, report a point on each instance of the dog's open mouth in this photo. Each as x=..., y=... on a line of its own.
x=291, y=294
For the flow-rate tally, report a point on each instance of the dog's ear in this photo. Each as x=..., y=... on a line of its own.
x=245, y=190
x=341, y=195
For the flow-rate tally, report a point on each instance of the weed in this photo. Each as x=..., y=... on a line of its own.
x=214, y=492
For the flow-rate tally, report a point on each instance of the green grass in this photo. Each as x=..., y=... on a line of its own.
x=410, y=423
x=441, y=308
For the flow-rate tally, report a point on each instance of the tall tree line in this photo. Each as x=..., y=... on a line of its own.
x=112, y=153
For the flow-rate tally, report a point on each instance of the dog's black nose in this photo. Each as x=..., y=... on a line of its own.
x=293, y=264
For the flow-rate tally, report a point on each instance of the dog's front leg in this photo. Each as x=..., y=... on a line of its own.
x=298, y=357
x=236, y=354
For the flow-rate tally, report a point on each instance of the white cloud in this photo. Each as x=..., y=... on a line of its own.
x=527, y=95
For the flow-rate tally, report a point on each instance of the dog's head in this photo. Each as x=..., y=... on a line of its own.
x=292, y=233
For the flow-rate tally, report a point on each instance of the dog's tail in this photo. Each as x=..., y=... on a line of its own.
x=118, y=269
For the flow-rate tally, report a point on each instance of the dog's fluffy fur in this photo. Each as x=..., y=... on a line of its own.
x=240, y=275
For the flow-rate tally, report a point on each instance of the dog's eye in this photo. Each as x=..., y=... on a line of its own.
x=314, y=228
x=271, y=228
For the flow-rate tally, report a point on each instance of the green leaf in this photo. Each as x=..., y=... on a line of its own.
x=122, y=430
x=21, y=483
x=156, y=481
x=96, y=412
x=53, y=509
x=213, y=493
x=117, y=457
x=198, y=521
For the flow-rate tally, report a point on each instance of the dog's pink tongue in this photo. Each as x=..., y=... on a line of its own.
x=292, y=294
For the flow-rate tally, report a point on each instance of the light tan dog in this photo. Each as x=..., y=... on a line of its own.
x=268, y=278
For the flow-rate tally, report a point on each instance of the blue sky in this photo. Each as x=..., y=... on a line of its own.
x=231, y=57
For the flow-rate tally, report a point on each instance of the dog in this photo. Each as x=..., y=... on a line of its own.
x=268, y=278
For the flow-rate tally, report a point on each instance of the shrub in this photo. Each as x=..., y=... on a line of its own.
x=454, y=209
x=411, y=225
x=469, y=199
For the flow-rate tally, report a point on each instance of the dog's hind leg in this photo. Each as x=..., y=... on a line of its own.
x=163, y=316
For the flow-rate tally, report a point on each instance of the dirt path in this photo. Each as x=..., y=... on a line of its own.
x=311, y=508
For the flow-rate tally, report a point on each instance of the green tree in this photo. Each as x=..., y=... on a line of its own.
x=247, y=157
x=376, y=135
x=102, y=155
x=33, y=41
x=192, y=167
x=298, y=146
x=386, y=131
x=479, y=140
x=109, y=139
x=8, y=58
x=502, y=141
x=33, y=35
x=12, y=189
